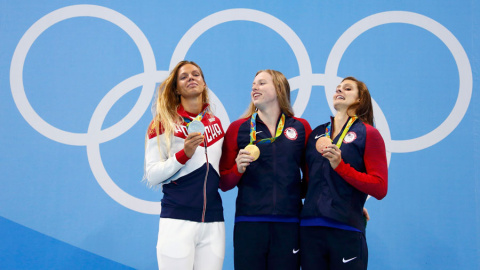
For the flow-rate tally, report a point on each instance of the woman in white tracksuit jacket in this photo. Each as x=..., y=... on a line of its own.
x=191, y=228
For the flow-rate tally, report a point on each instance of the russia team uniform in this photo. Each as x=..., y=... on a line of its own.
x=269, y=194
x=332, y=222
x=191, y=229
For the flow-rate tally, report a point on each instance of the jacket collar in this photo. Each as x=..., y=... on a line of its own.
x=183, y=113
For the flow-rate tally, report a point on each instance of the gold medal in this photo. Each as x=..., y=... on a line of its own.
x=253, y=150
x=322, y=143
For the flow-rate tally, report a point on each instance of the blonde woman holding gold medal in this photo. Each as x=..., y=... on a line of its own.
x=346, y=161
x=263, y=154
x=182, y=154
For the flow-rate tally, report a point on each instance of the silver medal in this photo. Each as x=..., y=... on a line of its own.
x=195, y=126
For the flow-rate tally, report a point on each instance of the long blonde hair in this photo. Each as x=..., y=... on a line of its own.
x=167, y=101
x=282, y=88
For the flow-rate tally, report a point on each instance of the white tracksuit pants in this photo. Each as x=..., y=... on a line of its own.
x=190, y=245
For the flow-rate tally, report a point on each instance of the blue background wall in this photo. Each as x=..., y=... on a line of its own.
x=77, y=78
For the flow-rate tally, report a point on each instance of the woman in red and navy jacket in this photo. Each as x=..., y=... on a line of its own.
x=266, y=233
x=185, y=162
x=343, y=171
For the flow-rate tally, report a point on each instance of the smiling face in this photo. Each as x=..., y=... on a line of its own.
x=263, y=91
x=345, y=95
x=190, y=82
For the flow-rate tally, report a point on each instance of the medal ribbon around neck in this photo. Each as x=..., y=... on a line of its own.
x=199, y=117
x=340, y=140
x=253, y=130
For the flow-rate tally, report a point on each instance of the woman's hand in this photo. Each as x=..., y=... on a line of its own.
x=243, y=160
x=333, y=154
x=365, y=214
x=191, y=143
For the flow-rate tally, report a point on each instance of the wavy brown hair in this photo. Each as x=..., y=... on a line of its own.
x=363, y=109
x=282, y=88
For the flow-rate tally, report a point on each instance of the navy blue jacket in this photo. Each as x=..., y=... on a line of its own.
x=340, y=194
x=271, y=185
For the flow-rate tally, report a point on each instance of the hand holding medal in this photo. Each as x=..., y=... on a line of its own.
x=191, y=143
x=325, y=147
x=195, y=130
x=253, y=150
x=244, y=158
x=333, y=152
x=322, y=143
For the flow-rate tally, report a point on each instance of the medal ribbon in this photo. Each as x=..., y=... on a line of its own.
x=199, y=117
x=253, y=130
x=340, y=140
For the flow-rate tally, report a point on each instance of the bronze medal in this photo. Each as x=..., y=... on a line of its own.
x=322, y=143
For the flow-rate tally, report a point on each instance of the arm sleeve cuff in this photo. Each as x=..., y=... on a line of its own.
x=181, y=157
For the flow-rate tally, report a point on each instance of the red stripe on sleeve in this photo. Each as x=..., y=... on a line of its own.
x=375, y=181
x=308, y=130
x=229, y=175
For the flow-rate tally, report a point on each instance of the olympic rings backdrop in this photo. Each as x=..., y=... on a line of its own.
x=77, y=79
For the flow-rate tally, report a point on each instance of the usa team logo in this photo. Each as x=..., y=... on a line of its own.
x=291, y=133
x=350, y=137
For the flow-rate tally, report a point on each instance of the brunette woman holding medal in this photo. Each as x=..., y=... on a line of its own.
x=263, y=153
x=346, y=161
x=182, y=154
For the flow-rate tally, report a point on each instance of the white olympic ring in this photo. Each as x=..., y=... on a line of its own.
x=240, y=14
x=459, y=54
x=151, y=76
x=95, y=134
x=18, y=61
